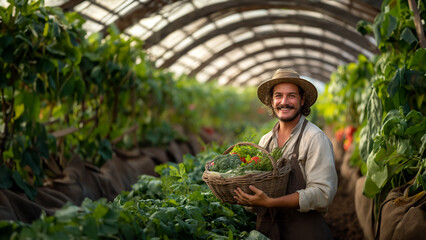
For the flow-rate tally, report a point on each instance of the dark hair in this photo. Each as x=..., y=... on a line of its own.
x=305, y=109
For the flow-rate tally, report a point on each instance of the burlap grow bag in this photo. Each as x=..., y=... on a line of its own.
x=273, y=183
x=402, y=217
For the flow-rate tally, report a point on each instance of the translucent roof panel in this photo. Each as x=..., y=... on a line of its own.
x=236, y=42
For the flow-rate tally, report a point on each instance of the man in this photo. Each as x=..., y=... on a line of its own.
x=313, y=180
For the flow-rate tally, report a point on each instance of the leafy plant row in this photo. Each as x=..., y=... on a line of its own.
x=63, y=93
x=384, y=98
x=177, y=205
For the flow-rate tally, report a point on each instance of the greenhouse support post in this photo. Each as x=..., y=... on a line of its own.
x=418, y=23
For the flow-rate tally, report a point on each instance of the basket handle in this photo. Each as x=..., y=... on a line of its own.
x=274, y=165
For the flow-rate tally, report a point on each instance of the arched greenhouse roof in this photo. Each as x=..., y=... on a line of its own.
x=238, y=42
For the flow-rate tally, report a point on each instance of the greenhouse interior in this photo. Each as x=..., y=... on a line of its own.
x=213, y=119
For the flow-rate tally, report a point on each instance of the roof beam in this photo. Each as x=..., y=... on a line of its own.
x=138, y=13
x=69, y=5
x=267, y=35
x=259, y=21
x=320, y=74
x=290, y=57
x=309, y=47
x=248, y=5
x=309, y=68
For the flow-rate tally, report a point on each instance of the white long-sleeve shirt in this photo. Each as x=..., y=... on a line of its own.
x=316, y=161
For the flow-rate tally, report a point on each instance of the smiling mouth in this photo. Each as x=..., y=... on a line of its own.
x=285, y=107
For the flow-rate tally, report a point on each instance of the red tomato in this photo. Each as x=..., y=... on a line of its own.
x=339, y=134
x=243, y=159
x=256, y=159
x=349, y=131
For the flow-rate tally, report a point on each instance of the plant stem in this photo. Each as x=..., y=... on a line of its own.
x=418, y=23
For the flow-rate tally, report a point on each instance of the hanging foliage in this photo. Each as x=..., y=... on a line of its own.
x=389, y=90
x=65, y=93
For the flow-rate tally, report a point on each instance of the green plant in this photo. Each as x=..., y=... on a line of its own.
x=39, y=52
x=398, y=155
x=174, y=206
x=224, y=163
x=64, y=94
x=391, y=109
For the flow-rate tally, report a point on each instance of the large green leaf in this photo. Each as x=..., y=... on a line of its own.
x=418, y=128
x=417, y=62
x=32, y=104
x=99, y=212
x=24, y=41
x=397, y=89
x=405, y=147
x=397, y=82
x=388, y=26
x=415, y=117
x=376, y=28
x=389, y=122
x=377, y=172
x=373, y=124
x=67, y=213
x=5, y=177
x=29, y=190
x=408, y=36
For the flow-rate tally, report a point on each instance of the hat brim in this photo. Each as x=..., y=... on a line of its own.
x=310, y=90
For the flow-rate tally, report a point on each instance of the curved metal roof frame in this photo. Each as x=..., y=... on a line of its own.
x=288, y=57
x=314, y=72
x=268, y=35
x=258, y=21
x=212, y=40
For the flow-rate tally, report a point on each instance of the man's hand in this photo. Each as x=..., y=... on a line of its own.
x=258, y=199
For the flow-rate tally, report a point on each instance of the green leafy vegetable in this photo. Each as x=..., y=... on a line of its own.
x=224, y=163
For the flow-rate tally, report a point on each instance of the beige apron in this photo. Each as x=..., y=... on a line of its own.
x=280, y=223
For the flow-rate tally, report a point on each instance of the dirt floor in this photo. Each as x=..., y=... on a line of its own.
x=341, y=216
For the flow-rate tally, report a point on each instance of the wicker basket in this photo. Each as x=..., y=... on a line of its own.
x=273, y=183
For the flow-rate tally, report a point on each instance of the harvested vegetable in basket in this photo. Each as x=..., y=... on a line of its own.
x=243, y=159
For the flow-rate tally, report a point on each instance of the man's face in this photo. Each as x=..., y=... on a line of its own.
x=286, y=101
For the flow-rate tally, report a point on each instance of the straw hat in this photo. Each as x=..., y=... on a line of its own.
x=287, y=76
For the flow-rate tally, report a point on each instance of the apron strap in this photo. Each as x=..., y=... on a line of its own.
x=296, y=180
x=299, y=138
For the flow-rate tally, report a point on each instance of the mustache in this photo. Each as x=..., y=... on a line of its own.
x=279, y=107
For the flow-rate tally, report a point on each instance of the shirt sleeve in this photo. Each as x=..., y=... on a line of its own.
x=320, y=175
